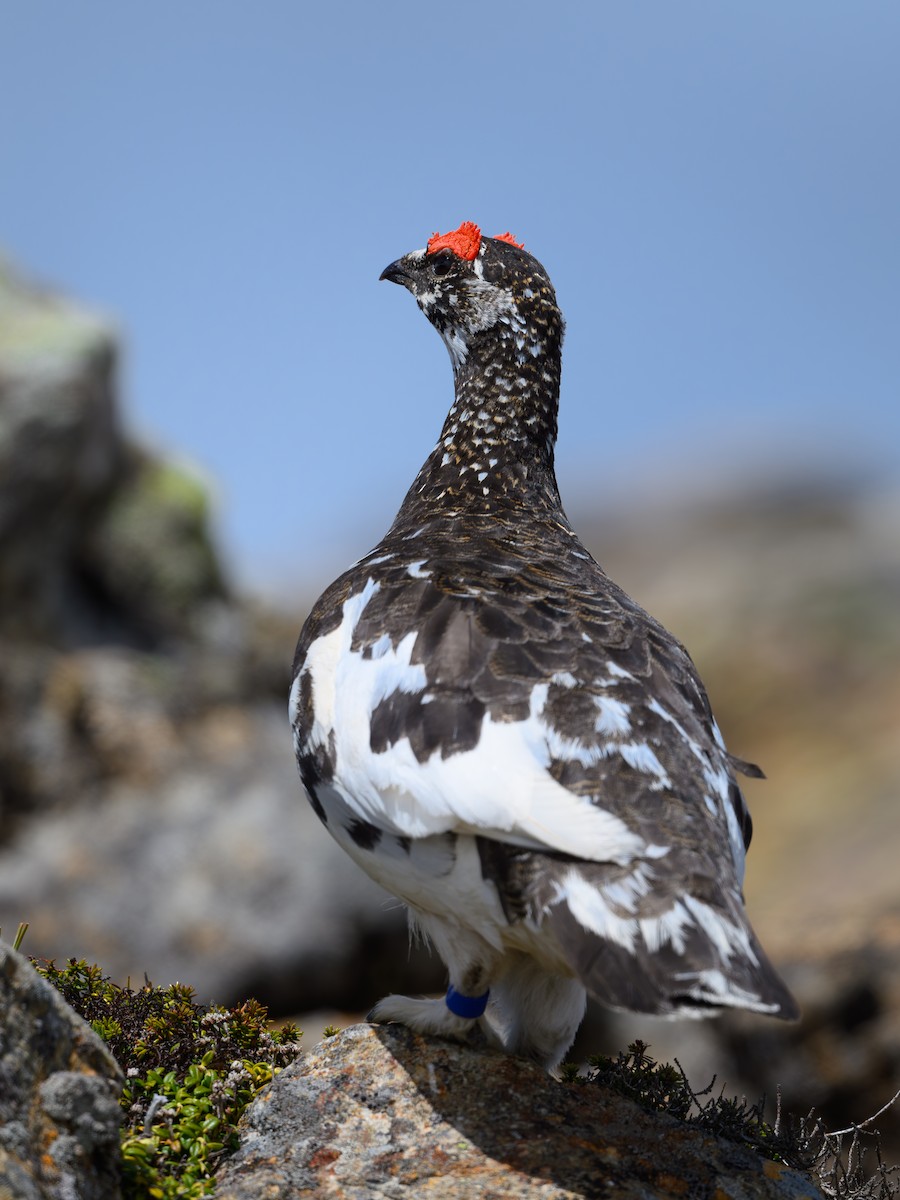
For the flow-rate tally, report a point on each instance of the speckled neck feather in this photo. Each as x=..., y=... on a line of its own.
x=497, y=443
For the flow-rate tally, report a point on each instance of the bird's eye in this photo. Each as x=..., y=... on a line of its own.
x=442, y=263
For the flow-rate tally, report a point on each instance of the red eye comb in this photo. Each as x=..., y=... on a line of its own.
x=464, y=242
x=508, y=237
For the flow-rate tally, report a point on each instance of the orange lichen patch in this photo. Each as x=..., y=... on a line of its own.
x=508, y=237
x=464, y=242
x=323, y=1157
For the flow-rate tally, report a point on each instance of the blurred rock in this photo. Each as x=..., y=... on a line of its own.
x=100, y=539
x=149, y=553
x=843, y=1057
x=101, y=545
x=59, y=1089
x=203, y=864
x=61, y=450
x=382, y=1111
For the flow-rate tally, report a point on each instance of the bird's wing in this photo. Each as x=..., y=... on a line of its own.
x=565, y=724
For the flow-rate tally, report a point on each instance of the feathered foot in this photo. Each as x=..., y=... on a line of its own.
x=437, y=1018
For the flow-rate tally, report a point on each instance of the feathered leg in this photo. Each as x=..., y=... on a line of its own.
x=471, y=963
x=535, y=1012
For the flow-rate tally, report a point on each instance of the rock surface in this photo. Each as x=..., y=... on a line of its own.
x=382, y=1112
x=59, y=1089
x=214, y=873
x=60, y=447
x=101, y=539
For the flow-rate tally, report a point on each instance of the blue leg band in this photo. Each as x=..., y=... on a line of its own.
x=465, y=1006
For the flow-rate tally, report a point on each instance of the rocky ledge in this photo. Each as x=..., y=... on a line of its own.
x=379, y=1111
x=59, y=1091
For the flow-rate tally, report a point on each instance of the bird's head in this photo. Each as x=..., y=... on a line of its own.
x=473, y=288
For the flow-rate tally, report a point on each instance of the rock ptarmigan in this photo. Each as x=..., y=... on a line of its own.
x=504, y=739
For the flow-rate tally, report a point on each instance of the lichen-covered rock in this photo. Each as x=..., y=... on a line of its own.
x=60, y=449
x=150, y=549
x=383, y=1112
x=116, y=623
x=100, y=539
x=59, y=1089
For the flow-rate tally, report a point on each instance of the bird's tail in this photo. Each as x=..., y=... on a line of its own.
x=678, y=955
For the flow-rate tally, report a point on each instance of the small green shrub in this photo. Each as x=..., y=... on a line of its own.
x=191, y=1070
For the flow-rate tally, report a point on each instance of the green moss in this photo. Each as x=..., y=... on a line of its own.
x=152, y=549
x=191, y=1070
x=165, y=483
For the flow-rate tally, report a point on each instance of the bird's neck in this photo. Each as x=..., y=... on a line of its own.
x=497, y=444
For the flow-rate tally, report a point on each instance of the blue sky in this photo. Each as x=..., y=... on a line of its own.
x=714, y=188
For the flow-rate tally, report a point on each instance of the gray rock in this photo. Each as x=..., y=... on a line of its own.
x=60, y=448
x=59, y=1089
x=99, y=538
x=383, y=1112
x=150, y=551
x=215, y=873
x=102, y=545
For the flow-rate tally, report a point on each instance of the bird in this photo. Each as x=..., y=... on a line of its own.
x=501, y=737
